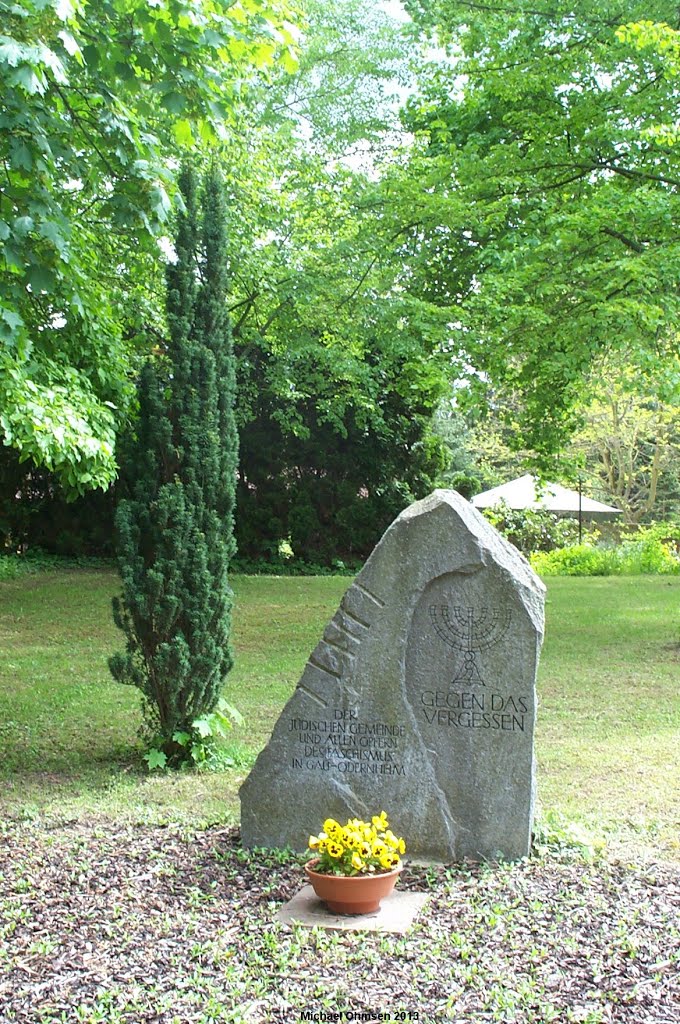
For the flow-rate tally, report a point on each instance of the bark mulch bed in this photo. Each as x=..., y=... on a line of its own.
x=118, y=923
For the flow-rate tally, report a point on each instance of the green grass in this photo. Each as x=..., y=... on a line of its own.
x=69, y=733
x=608, y=740
x=609, y=721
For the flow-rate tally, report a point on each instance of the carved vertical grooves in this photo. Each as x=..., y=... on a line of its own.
x=367, y=593
x=324, y=668
x=314, y=696
x=350, y=615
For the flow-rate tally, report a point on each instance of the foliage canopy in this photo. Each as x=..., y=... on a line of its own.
x=96, y=100
x=549, y=225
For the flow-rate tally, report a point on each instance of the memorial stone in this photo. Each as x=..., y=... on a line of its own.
x=419, y=700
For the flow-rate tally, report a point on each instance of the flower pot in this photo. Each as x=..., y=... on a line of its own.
x=352, y=894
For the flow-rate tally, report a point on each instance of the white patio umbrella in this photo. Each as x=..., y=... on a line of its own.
x=524, y=492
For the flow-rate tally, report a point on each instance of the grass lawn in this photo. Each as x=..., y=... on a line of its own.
x=608, y=741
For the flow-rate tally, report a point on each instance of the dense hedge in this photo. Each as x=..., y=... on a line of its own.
x=655, y=549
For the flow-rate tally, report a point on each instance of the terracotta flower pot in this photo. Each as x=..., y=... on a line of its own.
x=352, y=894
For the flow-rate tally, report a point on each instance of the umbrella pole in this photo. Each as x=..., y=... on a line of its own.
x=580, y=517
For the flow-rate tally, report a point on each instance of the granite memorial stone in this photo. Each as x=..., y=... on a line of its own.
x=419, y=700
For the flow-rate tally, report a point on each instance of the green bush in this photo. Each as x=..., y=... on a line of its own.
x=575, y=560
x=174, y=530
x=291, y=567
x=648, y=555
x=14, y=566
x=645, y=554
x=532, y=529
x=35, y=560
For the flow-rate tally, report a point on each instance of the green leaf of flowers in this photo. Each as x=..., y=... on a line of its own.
x=155, y=759
x=230, y=712
x=203, y=727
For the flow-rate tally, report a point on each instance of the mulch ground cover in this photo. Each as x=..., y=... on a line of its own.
x=117, y=923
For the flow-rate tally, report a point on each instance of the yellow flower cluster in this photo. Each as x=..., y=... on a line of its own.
x=357, y=847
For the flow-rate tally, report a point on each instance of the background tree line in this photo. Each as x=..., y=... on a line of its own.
x=509, y=238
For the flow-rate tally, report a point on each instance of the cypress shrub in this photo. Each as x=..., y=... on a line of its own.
x=175, y=527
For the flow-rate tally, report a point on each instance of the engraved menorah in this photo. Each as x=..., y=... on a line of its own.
x=469, y=632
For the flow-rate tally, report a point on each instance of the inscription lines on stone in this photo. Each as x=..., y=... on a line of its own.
x=467, y=710
x=347, y=745
x=346, y=630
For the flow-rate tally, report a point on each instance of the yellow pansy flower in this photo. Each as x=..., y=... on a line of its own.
x=378, y=848
x=389, y=860
x=346, y=838
x=357, y=846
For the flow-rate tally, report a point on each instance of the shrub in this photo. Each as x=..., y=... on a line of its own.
x=35, y=560
x=645, y=554
x=14, y=566
x=532, y=529
x=175, y=530
x=573, y=560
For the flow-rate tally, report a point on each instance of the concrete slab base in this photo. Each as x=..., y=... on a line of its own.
x=396, y=914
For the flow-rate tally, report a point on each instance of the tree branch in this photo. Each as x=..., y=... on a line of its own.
x=629, y=242
x=638, y=175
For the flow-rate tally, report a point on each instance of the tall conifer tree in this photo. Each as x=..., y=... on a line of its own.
x=175, y=534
